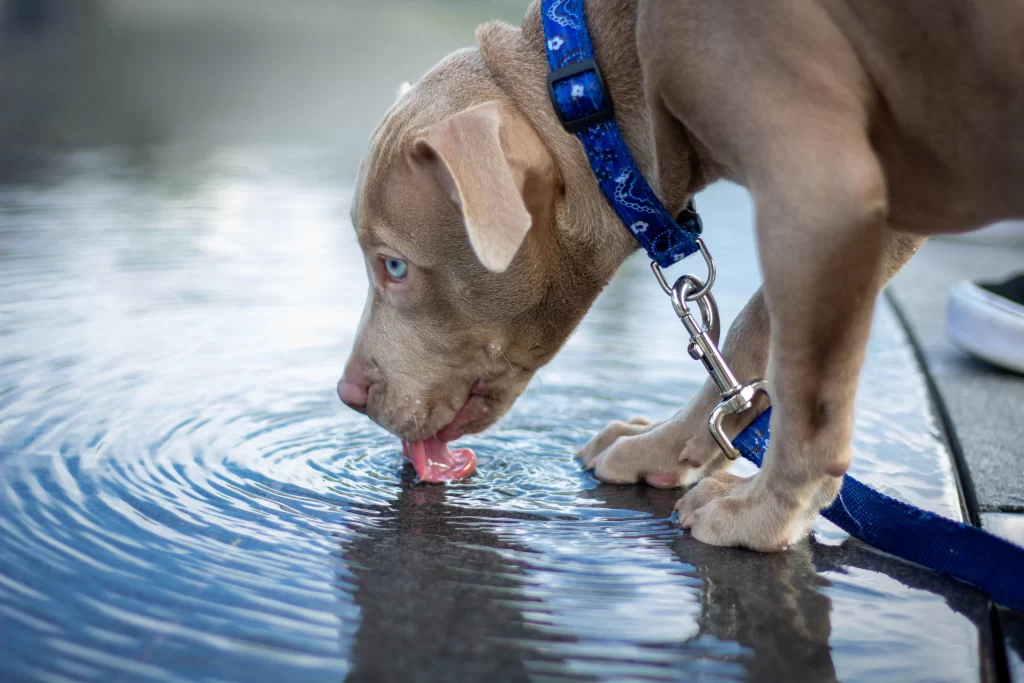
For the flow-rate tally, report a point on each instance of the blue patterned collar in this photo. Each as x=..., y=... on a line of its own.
x=584, y=107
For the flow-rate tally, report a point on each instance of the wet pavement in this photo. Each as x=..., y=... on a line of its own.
x=981, y=404
x=984, y=402
x=182, y=496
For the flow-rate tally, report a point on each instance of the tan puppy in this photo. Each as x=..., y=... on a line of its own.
x=857, y=126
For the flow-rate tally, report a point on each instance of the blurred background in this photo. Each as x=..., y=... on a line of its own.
x=145, y=74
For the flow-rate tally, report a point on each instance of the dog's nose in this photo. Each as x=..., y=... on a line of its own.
x=353, y=389
x=352, y=394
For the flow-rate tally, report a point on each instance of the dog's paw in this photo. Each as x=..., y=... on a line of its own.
x=727, y=510
x=603, y=440
x=658, y=454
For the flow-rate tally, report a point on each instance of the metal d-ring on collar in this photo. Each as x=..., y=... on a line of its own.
x=706, y=287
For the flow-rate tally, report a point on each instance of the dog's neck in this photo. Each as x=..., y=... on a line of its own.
x=517, y=61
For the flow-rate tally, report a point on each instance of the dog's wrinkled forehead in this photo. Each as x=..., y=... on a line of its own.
x=389, y=202
x=397, y=211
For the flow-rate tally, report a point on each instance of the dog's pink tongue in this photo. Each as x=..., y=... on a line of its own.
x=435, y=463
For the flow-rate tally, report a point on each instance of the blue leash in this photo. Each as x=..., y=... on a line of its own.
x=955, y=549
x=584, y=107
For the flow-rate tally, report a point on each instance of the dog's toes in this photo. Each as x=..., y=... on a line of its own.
x=612, y=468
x=714, y=486
x=665, y=455
x=723, y=510
x=644, y=458
x=608, y=436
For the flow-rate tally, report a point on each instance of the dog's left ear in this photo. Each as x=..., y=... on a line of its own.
x=497, y=172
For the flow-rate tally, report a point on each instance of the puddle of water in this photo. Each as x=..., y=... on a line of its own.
x=182, y=496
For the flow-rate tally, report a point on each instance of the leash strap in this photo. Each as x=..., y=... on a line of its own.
x=584, y=107
x=955, y=549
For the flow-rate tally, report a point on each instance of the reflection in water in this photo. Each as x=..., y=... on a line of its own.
x=182, y=496
x=1013, y=626
x=773, y=606
x=433, y=594
x=443, y=597
x=765, y=615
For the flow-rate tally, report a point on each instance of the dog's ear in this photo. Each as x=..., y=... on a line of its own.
x=497, y=172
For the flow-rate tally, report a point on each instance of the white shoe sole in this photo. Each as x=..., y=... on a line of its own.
x=986, y=325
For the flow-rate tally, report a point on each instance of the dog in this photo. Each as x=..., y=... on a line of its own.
x=859, y=129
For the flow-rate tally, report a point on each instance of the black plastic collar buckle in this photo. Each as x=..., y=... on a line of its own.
x=576, y=125
x=689, y=215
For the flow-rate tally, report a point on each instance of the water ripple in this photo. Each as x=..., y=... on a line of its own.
x=183, y=498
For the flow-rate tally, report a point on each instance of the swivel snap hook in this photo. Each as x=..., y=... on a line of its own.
x=737, y=397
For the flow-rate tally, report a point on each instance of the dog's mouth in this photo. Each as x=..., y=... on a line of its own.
x=433, y=461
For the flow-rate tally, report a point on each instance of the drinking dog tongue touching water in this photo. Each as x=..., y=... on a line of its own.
x=859, y=128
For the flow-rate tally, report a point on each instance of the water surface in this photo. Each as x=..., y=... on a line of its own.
x=182, y=496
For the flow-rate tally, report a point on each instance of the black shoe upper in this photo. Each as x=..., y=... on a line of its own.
x=1012, y=289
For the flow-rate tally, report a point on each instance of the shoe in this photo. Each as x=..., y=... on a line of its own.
x=987, y=320
x=1005, y=234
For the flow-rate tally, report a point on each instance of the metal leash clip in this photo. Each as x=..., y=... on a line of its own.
x=736, y=397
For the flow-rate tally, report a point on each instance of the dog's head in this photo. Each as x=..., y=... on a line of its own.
x=473, y=282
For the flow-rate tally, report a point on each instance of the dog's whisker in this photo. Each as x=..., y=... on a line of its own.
x=514, y=375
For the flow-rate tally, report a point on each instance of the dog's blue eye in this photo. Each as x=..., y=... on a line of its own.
x=397, y=268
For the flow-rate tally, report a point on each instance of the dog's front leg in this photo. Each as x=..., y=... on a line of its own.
x=680, y=450
x=821, y=236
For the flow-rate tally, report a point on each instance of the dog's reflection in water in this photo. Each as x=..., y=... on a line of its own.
x=771, y=604
x=438, y=603
x=433, y=595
